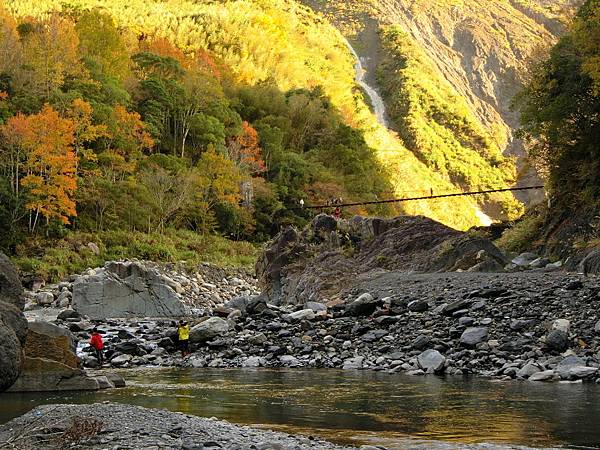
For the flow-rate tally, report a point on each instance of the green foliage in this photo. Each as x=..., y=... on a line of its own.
x=56, y=259
x=560, y=113
x=525, y=232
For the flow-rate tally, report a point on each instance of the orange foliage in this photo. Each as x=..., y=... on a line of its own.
x=129, y=132
x=51, y=163
x=245, y=150
x=162, y=47
x=205, y=61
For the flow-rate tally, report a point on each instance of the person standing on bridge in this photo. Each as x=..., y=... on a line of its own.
x=337, y=213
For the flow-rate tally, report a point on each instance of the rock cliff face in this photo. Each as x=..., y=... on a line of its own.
x=126, y=289
x=13, y=326
x=329, y=257
x=480, y=48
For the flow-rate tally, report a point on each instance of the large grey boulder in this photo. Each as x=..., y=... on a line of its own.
x=210, y=328
x=13, y=326
x=50, y=362
x=126, y=289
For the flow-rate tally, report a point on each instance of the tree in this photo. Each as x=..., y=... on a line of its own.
x=101, y=44
x=560, y=112
x=215, y=180
x=245, y=150
x=50, y=167
x=170, y=192
x=50, y=57
x=85, y=131
x=128, y=134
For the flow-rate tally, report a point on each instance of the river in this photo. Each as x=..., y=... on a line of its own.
x=359, y=407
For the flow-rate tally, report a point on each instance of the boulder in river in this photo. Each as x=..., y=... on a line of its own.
x=13, y=326
x=50, y=363
x=126, y=289
x=431, y=361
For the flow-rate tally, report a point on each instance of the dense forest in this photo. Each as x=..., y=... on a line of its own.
x=107, y=129
x=151, y=127
x=560, y=112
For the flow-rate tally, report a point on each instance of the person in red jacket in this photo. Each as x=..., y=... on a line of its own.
x=98, y=345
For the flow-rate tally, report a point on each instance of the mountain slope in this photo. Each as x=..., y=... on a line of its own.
x=289, y=44
x=474, y=52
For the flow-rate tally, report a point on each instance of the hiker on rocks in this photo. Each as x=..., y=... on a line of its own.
x=183, y=334
x=97, y=343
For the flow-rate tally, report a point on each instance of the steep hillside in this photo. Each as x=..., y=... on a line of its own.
x=283, y=42
x=473, y=54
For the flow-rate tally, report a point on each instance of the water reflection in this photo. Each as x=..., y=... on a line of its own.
x=360, y=407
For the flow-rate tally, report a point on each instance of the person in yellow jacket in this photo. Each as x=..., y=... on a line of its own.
x=183, y=333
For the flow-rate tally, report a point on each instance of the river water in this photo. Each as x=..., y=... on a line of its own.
x=359, y=407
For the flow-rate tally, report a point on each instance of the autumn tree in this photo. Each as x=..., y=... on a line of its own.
x=85, y=131
x=215, y=180
x=10, y=47
x=50, y=53
x=50, y=166
x=245, y=150
x=128, y=134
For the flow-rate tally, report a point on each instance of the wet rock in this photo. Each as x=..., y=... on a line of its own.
x=253, y=361
x=431, y=361
x=354, y=363
x=546, y=375
x=528, y=370
x=121, y=360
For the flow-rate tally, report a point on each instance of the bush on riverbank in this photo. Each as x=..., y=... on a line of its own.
x=53, y=260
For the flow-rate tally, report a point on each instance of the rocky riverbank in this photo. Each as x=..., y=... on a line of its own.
x=537, y=326
x=345, y=294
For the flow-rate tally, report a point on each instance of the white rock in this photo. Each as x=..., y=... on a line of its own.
x=304, y=314
x=561, y=325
